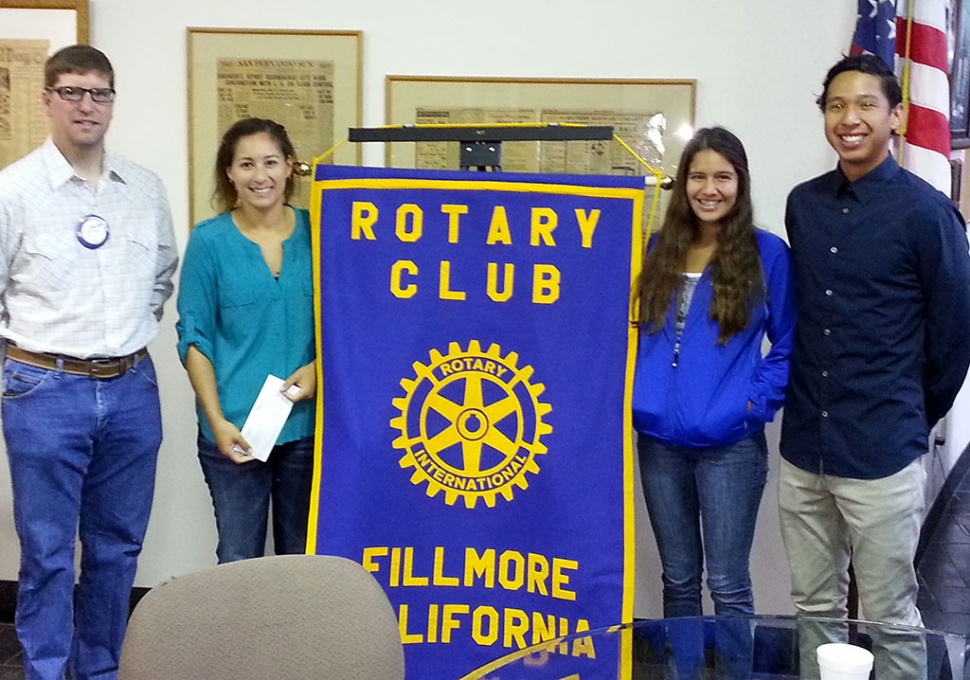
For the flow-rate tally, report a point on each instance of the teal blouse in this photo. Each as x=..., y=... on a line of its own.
x=246, y=322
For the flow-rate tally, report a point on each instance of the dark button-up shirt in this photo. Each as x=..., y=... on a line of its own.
x=882, y=339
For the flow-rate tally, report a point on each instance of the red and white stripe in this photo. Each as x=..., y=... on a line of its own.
x=925, y=149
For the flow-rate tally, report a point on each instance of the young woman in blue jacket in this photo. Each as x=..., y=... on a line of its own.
x=713, y=287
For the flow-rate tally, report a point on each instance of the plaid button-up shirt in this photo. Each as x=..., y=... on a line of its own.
x=59, y=295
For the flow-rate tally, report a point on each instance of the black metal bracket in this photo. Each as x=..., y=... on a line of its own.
x=480, y=155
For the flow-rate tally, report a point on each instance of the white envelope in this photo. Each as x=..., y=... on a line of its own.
x=266, y=419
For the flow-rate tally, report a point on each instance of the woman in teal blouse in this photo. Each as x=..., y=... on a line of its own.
x=246, y=311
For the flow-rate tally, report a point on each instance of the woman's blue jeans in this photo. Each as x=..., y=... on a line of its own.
x=241, y=498
x=704, y=503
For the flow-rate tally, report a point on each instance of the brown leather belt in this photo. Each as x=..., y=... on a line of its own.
x=101, y=369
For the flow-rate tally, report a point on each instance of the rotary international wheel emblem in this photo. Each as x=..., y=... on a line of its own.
x=471, y=423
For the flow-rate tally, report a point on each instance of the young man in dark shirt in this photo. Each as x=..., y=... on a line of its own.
x=882, y=345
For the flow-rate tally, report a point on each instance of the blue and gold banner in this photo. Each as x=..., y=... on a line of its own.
x=474, y=445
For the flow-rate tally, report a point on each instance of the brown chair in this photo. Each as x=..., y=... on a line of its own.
x=287, y=617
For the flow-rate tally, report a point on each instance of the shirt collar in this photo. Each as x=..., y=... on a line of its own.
x=60, y=172
x=869, y=186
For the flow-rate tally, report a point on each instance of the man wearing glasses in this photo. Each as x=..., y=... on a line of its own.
x=86, y=259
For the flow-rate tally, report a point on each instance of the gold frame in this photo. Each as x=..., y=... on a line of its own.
x=31, y=29
x=404, y=94
x=79, y=7
x=204, y=46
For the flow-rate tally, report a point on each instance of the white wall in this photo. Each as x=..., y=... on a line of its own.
x=957, y=429
x=758, y=64
x=954, y=432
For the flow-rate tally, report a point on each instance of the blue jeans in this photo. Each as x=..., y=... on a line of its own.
x=241, y=497
x=82, y=458
x=712, y=493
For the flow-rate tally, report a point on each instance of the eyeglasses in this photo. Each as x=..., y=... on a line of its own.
x=69, y=93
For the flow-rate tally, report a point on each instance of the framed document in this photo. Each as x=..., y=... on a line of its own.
x=958, y=39
x=30, y=30
x=310, y=81
x=654, y=117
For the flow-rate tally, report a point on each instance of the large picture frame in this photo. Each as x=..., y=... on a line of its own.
x=63, y=22
x=30, y=31
x=630, y=106
x=310, y=81
x=958, y=39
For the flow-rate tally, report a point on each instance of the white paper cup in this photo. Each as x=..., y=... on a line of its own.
x=839, y=661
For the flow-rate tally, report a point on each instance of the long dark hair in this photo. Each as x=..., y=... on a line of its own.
x=736, y=265
x=225, y=195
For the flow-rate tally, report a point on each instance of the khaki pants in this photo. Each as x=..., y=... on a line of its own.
x=825, y=522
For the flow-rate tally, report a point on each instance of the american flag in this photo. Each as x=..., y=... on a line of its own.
x=915, y=31
x=875, y=30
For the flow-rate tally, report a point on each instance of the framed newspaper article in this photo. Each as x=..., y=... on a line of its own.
x=30, y=31
x=654, y=117
x=310, y=81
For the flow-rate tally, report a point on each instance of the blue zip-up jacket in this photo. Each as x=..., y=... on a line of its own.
x=703, y=401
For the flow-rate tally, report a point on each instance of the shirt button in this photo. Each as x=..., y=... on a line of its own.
x=845, y=211
x=827, y=332
x=829, y=293
x=825, y=374
x=825, y=414
x=833, y=249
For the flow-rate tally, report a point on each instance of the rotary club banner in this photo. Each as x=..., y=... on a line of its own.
x=474, y=445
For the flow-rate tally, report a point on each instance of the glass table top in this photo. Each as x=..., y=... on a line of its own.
x=731, y=648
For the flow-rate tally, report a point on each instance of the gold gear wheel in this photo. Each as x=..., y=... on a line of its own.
x=471, y=423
